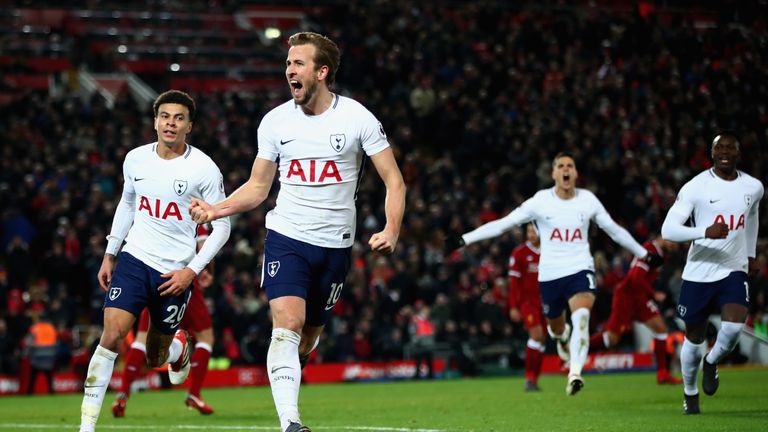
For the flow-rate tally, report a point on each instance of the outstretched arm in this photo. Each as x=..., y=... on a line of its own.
x=394, y=203
x=498, y=227
x=619, y=234
x=246, y=197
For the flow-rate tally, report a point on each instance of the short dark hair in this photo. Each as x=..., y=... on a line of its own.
x=726, y=133
x=326, y=51
x=563, y=154
x=176, y=97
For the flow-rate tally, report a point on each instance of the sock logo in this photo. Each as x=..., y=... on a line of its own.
x=277, y=368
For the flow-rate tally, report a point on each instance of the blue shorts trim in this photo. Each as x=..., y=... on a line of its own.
x=698, y=300
x=555, y=293
x=295, y=268
x=134, y=286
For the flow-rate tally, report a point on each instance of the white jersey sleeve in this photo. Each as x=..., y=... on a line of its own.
x=707, y=199
x=498, y=227
x=615, y=231
x=123, y=218
x=320, y=160
x=163, y=233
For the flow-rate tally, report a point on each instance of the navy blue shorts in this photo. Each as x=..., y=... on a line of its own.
x=555, y=293
x=700, y=299
x=295, y=268
x=134, y=286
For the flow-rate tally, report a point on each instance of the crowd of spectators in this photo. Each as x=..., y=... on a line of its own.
x=476, y=98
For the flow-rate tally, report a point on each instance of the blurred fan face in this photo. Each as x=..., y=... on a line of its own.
x=725, y=153
x=531, y=235
x=302, y=74
x=564, y=173
x=172, y=124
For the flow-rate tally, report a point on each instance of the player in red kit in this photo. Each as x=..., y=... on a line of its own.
x=197, y=320
x=633, y=300
x=525, y=303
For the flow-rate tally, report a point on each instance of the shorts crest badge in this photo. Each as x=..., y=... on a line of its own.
x=273, y=267
x=114, y=292
x=681, y=310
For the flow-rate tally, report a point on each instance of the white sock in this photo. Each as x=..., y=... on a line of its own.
x=579, y=344
x=174, y=351
x=606, y=339
x=690, y=358
x=139, y=346
x=96, y=383
x=204, y=346
x=535, y=345
x=556, y=336
x=284, y=373
x=727, y=338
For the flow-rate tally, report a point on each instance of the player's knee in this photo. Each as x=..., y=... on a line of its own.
x=112, y=338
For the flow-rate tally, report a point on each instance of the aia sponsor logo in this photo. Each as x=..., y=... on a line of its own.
x=158, y=209
x=732, y=221
x=566, y=235
x=314, y=171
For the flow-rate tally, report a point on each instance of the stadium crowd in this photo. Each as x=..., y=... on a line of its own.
x=476, y=98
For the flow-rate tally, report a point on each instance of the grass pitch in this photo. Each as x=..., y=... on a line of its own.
x=610, y=402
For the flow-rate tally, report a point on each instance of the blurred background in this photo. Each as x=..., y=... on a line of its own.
x=476, y=98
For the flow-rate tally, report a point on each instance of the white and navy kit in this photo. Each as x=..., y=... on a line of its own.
x=320, y=160
x=153, y=219
x=566, y=266
x=715, y=272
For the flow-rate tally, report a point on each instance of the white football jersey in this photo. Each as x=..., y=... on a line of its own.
x=563, y=227
x=707, y=199
x=158, y=192
x=319, y=162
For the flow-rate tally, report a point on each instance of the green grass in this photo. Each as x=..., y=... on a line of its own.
x=610, y=402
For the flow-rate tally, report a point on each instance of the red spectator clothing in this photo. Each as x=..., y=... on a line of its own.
x=633, y=296
x=523, y=275
x=524, y=292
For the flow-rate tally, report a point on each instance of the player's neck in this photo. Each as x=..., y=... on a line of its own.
x=319, y=103
x=726, y=175
x=171, y=152
x=565, y=194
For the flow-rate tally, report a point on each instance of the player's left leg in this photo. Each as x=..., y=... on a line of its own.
x=581, y=306
x=534, y=357
x=197, y=320
x=660, y=334
x=310, y=339
x=733, y=318
x=199, y=368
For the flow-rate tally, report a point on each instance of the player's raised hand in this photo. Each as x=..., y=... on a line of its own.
x=452, y=242
x=178, y=281
x=383, y=242
x=653, y=260
x=105, y=272
x=200, y=211
x=717, y=230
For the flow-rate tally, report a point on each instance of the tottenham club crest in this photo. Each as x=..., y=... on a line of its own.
x=273, y=267
x=681, y=310
x=338, y=141
x=114, y=292
x=179, y=186
x=748, y=200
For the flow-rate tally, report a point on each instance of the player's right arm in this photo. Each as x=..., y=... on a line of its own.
x=498, y=227
x=121, y=224
x=674, y=228
x=248, y=196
